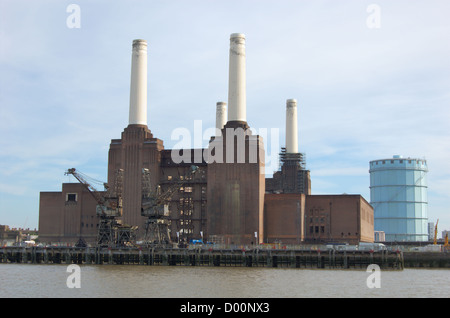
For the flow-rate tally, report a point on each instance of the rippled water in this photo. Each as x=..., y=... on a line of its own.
x=26, y=280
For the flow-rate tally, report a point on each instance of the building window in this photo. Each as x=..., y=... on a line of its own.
x=169, y=178
x=71, y=198
x=188, y=189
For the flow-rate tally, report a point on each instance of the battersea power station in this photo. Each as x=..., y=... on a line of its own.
x=219, y=194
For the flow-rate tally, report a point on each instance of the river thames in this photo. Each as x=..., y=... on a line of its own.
x=140, y=281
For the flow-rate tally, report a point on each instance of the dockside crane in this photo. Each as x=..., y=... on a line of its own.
x=111, y=231
x=155, y=207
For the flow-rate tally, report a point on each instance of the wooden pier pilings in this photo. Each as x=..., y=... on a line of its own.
x=278, y=258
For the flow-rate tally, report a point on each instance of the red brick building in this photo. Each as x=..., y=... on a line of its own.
x=228, y=200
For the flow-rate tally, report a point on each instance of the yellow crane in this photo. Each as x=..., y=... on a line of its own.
x=446, y=241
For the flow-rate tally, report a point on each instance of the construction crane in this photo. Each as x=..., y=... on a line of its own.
x=111, y=231
x=435, y=232
x=155, y=207
x=446, y=241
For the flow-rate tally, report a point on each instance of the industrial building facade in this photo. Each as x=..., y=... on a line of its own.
x=228, y=200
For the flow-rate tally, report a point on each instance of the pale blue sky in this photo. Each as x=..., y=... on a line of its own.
x=363, y=94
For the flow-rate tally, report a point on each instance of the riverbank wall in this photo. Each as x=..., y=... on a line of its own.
x=276, y=258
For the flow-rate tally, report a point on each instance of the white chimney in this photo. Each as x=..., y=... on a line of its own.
x=236, y=80
x=291, y=126
x=221, y=116
x=138, y=89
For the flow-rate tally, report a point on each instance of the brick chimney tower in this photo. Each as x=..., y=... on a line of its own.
x=137, y=149
x=236, y=179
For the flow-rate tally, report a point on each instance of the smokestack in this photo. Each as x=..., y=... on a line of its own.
x=221, y=116
x=138, y=89
x=236, y=80
x=291, y=126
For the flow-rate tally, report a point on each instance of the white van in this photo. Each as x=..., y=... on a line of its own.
x=376, y=247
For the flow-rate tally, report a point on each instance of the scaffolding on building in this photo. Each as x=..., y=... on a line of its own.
x=156, y=208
